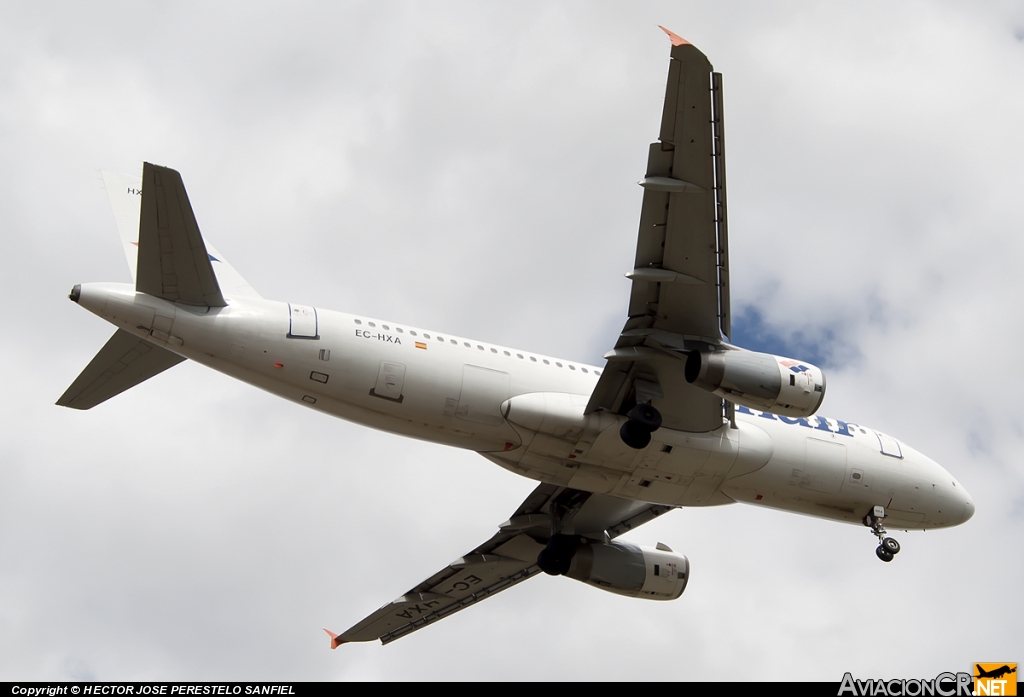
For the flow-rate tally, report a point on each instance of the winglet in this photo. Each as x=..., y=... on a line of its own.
x=676, y=39
x=335, y=642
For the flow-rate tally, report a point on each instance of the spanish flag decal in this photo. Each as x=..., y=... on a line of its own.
x=420, y=344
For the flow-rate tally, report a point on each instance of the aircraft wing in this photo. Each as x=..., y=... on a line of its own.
x=506, y=559
x=680, y=296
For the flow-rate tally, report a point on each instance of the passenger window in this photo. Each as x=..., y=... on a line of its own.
x=359, y=321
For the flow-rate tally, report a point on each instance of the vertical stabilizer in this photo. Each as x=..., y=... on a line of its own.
x=125, y=194
x=173, y=261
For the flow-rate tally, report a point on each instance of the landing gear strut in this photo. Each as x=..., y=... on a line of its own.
x=888, y=547
x=556, y=558
x=643, y=421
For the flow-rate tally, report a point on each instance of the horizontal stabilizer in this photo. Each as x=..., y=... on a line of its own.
x=173, y=261
x=123, y=362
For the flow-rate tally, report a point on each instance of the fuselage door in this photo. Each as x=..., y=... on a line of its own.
x=302, y=322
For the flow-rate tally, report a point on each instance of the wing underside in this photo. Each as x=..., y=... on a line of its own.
x=679, y=301
x=508, y=558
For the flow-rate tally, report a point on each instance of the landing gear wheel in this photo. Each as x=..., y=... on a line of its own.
x=646, y=416
x=554, y=564
x=891, y=545
x=635, y=435
x=556, y=558
x=888, y=547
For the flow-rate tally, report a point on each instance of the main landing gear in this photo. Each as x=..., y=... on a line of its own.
x=556, y=558
x=643, y=421
x=888, y=547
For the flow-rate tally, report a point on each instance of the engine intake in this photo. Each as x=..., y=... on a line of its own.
x=778, y=385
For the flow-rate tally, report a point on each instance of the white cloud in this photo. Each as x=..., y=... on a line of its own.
x=472, y=168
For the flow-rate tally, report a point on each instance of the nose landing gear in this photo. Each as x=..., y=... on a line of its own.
x=888, y=547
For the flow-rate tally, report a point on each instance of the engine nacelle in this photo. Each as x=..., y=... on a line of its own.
x=760, y=381
x=628, y=569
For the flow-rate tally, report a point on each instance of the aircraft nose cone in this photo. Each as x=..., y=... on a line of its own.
x=968, y=510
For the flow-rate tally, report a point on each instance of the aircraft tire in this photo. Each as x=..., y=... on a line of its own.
x=647, y=416
x=635, y=435
x=556, y=558
x=891, y=545
x=551, y=563
x=883, y=554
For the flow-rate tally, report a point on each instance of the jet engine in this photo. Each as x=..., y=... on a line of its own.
x=655, y=573
x=760, y=381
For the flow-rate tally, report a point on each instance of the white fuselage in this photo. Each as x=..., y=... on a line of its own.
x=524, y=412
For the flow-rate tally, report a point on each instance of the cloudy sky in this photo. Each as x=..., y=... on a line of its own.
x=471, y=167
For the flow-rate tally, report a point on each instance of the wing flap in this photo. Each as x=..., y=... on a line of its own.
x=123, y=362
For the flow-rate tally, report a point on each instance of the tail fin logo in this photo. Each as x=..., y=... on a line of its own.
x=795, y=366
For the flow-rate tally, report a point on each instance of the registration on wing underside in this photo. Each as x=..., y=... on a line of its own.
x=505, y=560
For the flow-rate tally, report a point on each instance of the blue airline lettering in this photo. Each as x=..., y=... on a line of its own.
x=821, y=423
x=787, y=420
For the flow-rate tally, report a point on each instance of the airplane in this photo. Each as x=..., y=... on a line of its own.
x=677, y=415
x=995, y=673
